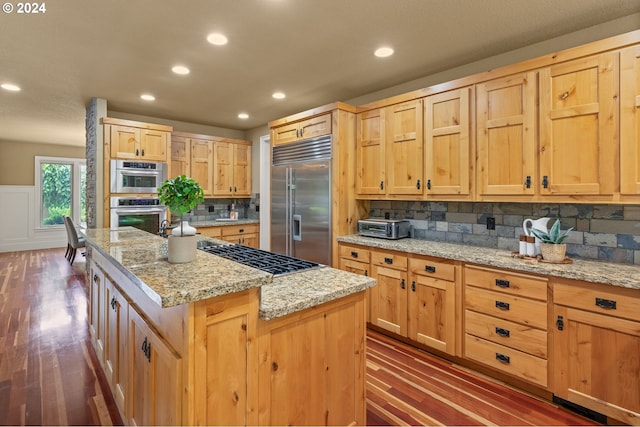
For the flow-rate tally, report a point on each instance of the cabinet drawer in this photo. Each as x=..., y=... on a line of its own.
x=511, y=283
x=389, y=260
x=600, y=299
x=355, y=253
x=210, y=231
x=425, y=266
x=509, y=334
x=232, y=230
x=517, y=309
x=505, y=359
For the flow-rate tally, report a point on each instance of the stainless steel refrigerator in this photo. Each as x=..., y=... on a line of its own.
x=301, y=199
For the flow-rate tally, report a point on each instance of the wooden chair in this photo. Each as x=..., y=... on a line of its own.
x=73, y=241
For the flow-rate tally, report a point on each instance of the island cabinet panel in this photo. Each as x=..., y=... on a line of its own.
x=155, y=384
x=447, y=144
x=507, y=135
x=596, y=342
x=578, y=126
x=404, y=139
x=115, y=360
x=312, y=366
x=630, y=121
x=96, y=309
x=389, y=296
x=370, y=152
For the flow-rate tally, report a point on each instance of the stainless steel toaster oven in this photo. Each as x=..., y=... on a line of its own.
x=384, y=228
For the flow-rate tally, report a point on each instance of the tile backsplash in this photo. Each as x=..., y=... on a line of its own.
x=212, y=208
x=600, y=232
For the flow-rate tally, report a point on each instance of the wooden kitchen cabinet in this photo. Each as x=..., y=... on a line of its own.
x=180, y=156
x=155, y=383
x=370, y=152
x=388, y=302
x=202, y=164
x=96, y=309
x=232, y=171
x=147, y=143
x=116, y=311
x=630, y=121
x=356, y=259
x=304, y=129
x=247, y=234
x=506, y=111
x=403, y=152
x=596, y=342
x=578, y=126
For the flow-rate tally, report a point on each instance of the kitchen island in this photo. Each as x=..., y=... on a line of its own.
x=216, y=342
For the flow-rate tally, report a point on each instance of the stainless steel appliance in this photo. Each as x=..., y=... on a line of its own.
x=145, y=213
x=137, y=177
x=384, y=228
x=301, y=199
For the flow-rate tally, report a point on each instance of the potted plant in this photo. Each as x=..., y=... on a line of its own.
x=181, y=194
x=551, y=243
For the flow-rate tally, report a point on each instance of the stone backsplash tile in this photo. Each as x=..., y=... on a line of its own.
x=601, y=232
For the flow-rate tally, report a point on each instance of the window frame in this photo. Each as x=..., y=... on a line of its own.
x=76, y=164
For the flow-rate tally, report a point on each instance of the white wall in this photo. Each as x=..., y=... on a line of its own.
x=18, y=231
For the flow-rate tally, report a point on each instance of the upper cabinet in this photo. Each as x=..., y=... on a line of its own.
x=578, y=126
x=370, y=152
x=180, y=155
x=232, y=172
x=137, y=141
x=506, y=136
x=630, y=121
x=201, y=162
x=309, y=128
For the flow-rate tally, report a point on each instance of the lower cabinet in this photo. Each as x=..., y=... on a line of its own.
x=356, y=259
x=248, y=234
x=116, y=311
x=96, y=309
x=596, y=342
x=388, y=303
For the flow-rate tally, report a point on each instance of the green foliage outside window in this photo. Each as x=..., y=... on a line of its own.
x=56, y=192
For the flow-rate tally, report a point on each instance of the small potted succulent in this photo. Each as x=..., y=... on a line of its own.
x=552, y=244
x=181, y=194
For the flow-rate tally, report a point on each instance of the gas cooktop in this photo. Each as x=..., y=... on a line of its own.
x=275, y=264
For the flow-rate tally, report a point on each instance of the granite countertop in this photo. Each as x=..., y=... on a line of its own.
x=623, y=275
x=141, y=257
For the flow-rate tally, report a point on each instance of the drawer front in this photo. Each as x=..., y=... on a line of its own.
x=508, y=360
x=355, y=253
x=510, y=283
x=389, y=260
x=354, y=266
x=210, y=231
x=440, y=269
x=517, y=309
x=599, y=299
x=509, y=334
x=231, y=230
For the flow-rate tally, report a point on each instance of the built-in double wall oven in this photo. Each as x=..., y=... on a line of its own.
x=136, y=177
x=145, y=213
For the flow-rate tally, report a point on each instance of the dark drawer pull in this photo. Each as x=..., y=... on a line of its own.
x=354, y=254
x=429, y=268
x=501, y=283
x=502, y=305
x=502, y=332
x=388, y=260
x=607, y=304
x=241, y=230
x=402, y=284
x=503, y=358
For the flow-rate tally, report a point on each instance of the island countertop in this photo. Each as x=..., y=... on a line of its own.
x=142, y=257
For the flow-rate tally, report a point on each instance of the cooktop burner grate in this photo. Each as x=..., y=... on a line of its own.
x=275, y=264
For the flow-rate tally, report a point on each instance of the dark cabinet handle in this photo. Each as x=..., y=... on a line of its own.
x=418, y=184
x=502, y=305
x=607, y=304
x=527, y=182
x=382, y=185
x=241, y=230
x=388, y=260
x=235, y=189
x=354, y=254
x=545, y=181
x=503, y=358
x=502, y=332
x=428, y=184
x=143, y=152
x=137, y=152
x=146, y=349
x=502, y=283
x=113, y=303
x=429, y=269
x=366, y=273
x=560, y=323
x=402, y=284
x=95, y=277
x=230, y=190
x=413, y=286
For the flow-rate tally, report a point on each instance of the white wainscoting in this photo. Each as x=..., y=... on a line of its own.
x=18, y=231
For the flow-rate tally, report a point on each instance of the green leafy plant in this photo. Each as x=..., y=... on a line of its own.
x=181, y=194
x=555, y=236
x=55, y=216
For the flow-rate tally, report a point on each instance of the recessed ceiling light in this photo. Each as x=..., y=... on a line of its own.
x=217, y=39
x=180, y=69
x=279, y=95
x=383, y=52
x=243, y=116
x=147, y=97
x=11, y=87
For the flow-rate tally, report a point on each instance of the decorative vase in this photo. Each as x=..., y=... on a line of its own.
x=182, y=249
x=553, y=253
x=184, y=229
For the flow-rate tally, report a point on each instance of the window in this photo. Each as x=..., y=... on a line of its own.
x=60, y=189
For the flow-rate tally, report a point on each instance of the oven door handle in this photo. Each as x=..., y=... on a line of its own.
x=138, y=172
x=144, y=210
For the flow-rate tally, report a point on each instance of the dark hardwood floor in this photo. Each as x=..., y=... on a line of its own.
x=49, y=374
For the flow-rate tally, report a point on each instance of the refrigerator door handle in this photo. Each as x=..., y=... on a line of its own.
x=296, y=227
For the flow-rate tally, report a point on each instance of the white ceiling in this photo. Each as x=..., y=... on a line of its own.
x=316, y=51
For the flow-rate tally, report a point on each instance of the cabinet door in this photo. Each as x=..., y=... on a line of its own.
x=447, y=162
x=315, y=126
x=155, y=376
x=578, y=116
x=115, y=364
x=370, y=156
x=153, y=145
x=96, y=315
x=389, y=299
x=597, y=363
x=242, y=170
x=125, y=142
x=223, y=169
x=506, y=144
x=432, y=312
x=630, y=121
x=404, y=167
x=202, y=164
x=284, y=134
x=180, y=156
x=357, y=267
